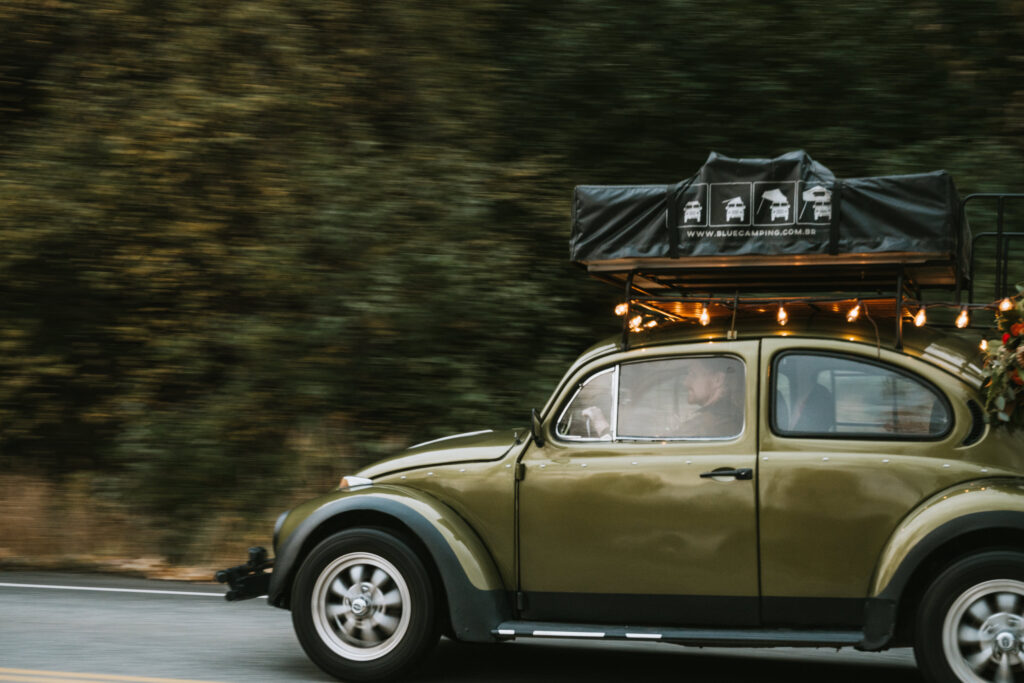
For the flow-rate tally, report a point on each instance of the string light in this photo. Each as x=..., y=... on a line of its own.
x=964, y=319
x=854, y=312
x=984, y=344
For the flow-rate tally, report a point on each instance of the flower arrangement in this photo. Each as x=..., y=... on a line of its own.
x=1004, y=363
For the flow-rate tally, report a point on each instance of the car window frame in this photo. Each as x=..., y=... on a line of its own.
x=614, y=427
x=847, y=436
x=613, y=418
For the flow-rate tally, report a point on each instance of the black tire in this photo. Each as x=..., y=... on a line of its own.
x=363, y=606
x=970, y=625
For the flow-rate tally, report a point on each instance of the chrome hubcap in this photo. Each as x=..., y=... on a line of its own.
x=361, y=606
x=983, y=632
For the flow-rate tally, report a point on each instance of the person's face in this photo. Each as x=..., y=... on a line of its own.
x=702, y=384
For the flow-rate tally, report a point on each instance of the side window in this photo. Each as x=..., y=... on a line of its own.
x=830, y=396
x=588, y=415
x=681, y=398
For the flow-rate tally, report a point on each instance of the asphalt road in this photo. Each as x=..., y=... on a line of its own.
x=158, y=632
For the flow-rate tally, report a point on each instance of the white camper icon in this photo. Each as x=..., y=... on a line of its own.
x=734, y=209
x=820, y=199
x=779, y=204
x=691, y=212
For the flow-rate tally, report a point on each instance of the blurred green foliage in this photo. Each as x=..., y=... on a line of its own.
x=237, y=235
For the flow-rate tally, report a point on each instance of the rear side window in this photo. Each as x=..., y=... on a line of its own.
x=818, y=395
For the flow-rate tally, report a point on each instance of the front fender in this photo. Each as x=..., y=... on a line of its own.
x=477, y=599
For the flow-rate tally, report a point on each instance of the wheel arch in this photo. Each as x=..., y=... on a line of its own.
x=475, y=599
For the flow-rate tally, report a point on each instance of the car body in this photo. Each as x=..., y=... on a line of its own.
x=852, y=523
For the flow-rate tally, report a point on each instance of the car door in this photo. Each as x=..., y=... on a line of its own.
x=621, y=517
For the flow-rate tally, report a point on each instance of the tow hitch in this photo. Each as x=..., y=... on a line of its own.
x=247, y=580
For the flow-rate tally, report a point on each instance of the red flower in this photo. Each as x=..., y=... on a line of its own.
x=1006, y=337
x=1016, y=329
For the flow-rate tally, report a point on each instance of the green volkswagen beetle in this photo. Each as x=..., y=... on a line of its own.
x=798, y=485
x=727, y=471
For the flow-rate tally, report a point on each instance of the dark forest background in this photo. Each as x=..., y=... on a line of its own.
x=249, y=246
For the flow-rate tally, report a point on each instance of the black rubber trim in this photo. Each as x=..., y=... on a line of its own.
x=879, y=624
x=812, y=612
x=474, y=612
x=652, y=610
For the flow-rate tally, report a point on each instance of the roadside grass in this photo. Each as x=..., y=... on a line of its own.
x=79, y=523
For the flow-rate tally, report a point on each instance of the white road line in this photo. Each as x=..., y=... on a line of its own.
x=108, y=590
x=37, y=676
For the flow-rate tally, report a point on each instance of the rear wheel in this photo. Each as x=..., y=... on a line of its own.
x=970, y=626
x=363, y=607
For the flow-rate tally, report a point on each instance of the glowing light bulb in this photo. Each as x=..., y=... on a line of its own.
x=921, y=318
x=854, y=313
x=963, y=320
x=635, y=323
x=1006, y=304
x=652, y=323
x=984, y=344
x=621, y=309
x=783, y=317
x=705, y=317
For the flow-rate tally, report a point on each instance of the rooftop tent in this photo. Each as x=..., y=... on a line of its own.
x=786, y=210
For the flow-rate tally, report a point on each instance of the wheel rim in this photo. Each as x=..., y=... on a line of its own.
x=360, y=606
x=983, y=633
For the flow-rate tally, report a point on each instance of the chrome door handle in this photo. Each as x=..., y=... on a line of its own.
x=743, y=473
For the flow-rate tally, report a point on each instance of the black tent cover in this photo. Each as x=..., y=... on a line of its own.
x=787, y=205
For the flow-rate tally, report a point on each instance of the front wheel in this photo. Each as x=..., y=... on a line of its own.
x=970, y=627
x=363, y=607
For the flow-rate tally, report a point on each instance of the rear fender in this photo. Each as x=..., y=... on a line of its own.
x=477, y=599
x=967, y=516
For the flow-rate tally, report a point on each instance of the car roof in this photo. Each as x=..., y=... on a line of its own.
x=954, y=351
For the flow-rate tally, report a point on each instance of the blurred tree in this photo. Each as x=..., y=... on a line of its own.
x=241, y=233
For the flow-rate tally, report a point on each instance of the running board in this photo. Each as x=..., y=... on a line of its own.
x=734, y=637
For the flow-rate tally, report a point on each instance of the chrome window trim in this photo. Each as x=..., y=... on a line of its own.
x=579, y=387
x=614, y=427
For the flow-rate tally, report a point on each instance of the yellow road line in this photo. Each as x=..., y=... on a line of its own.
x=34, y=676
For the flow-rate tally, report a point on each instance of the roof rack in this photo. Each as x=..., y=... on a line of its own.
x=889, y=284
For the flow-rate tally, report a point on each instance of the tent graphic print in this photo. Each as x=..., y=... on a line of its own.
x=779, y=204
x=734, y=209
x=820, y=199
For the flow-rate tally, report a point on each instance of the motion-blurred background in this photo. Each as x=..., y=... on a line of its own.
x=247, y=247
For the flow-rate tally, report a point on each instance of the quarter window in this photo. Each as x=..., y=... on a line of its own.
x=588, y=416
x=829, y=396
